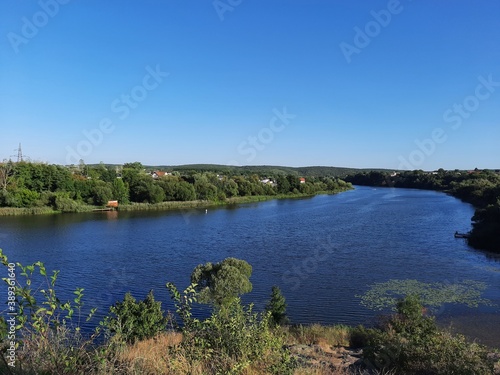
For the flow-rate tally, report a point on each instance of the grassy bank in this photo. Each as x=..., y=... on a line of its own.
x=289, y=350
x=45, y=210
x=163, y=206
x=176, y=205
x=14, y=211
x=138, y=337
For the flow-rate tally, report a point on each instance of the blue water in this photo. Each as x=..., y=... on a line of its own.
x=321, y=251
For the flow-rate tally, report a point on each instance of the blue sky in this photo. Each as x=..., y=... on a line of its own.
x=391, y=84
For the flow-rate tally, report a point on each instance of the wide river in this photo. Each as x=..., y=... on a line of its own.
x=322, y=252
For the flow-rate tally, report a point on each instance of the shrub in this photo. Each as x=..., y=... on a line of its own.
x=411, y=343
x=49, y=337
x=277, y=307
x=360, y=336
x=130, y=321
x=233, y=339
x=63, y=203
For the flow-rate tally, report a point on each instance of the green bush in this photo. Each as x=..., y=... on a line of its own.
x=410, y=343
x=277, y=307
x=361, y=336
x=130, y=321
x=233, y=339
x=63, y=203
x=48, y=333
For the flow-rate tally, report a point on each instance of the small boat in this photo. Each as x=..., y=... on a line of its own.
x=462, y=235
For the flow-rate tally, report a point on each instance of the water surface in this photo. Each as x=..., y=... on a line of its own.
x=321, y=251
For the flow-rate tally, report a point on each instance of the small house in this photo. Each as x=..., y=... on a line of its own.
x=113, y=204
x=158, y=174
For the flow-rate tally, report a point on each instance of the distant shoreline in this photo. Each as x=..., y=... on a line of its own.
x=165, y=206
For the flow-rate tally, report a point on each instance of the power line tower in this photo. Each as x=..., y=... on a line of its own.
x=19, y=154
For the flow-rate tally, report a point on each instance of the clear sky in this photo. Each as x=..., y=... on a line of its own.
x=391, y=84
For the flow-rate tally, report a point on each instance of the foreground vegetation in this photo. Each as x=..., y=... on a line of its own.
x=479, y=187
x=138, y=337
x=35, y=188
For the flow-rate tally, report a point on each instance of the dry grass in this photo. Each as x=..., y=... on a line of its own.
x=53, y=352
x=164, y=355
x=153, y=356
x=323, y=336
x=326, y=370
x=321, y=370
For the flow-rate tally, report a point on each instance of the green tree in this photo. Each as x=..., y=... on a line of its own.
x=185, y=192
x=244, y=187
x=130, y=321
x=135, y=165
x=144, y=190
x=120, y=191
x=102, y=193
x=169, y=186
x=156, y=194
x=293, y=181
x=283, y=185
x=206, y=191
x=107, y=174
x=277, y=307
x=62, y=202
x=221, y=282
x=229, y=187
x=60, y=179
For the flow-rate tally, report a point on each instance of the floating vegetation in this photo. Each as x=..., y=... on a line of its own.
x=385, y=295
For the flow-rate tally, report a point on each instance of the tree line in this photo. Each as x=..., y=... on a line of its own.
x=69, y=189
x=481, y=188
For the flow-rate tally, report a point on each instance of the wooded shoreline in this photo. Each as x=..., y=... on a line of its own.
x=166, y=206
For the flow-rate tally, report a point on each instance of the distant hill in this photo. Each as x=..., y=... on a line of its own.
x=313, y=171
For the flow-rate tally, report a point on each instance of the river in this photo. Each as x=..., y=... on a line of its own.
x=322, y=252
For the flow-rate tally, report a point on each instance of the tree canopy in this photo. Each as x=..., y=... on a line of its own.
x=29, y=185
x=221, y=282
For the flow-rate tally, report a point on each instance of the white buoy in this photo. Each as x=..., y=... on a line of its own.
x=206, y=211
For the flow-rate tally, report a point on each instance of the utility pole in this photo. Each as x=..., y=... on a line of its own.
x=19, y=154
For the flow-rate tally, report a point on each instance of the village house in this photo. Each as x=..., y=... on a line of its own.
x=158, y=174
x=268, y=181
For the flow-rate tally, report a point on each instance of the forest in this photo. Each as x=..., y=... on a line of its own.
x=312, y=171
x=38, y=187
x=481, y=188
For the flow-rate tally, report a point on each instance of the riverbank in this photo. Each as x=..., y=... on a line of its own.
x=163, y=206
x=480, y=188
